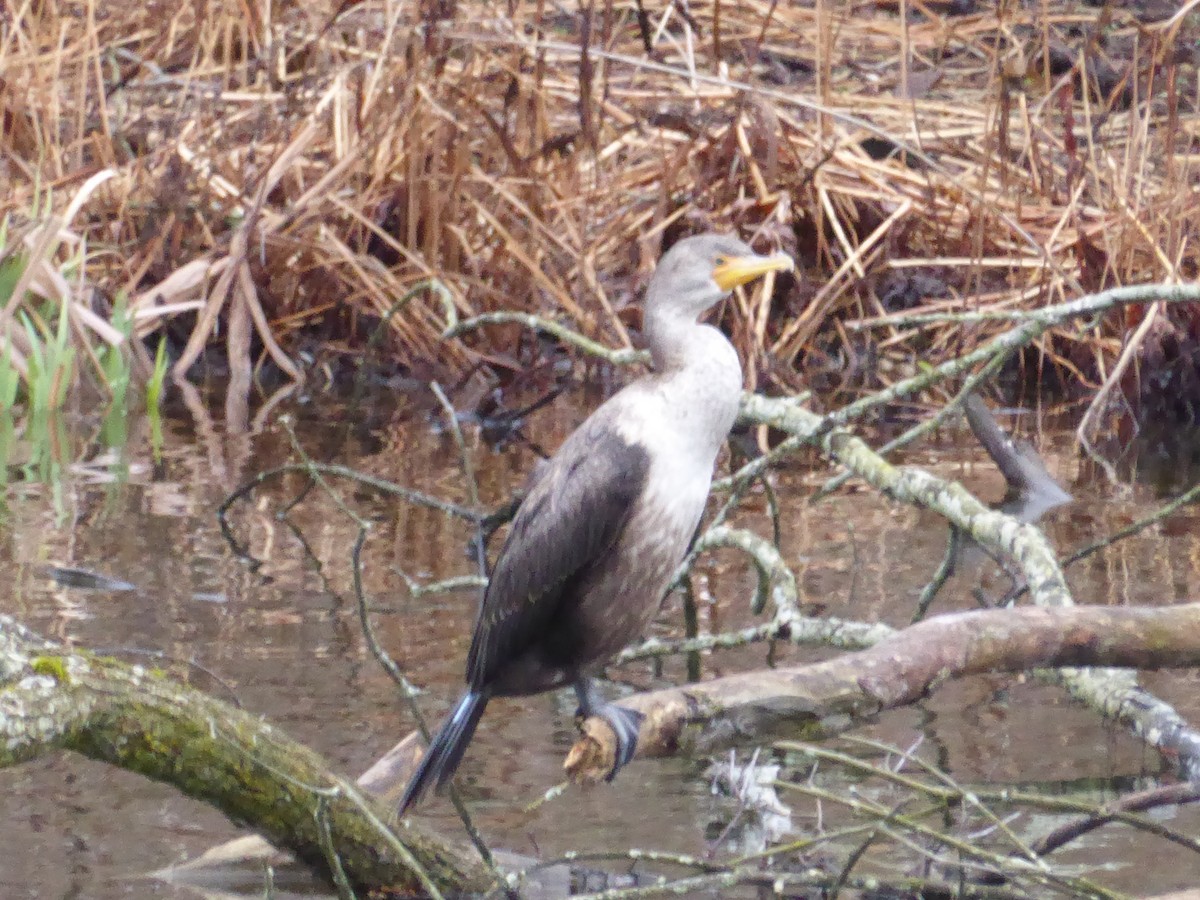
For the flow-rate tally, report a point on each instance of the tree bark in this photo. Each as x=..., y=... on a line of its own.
x=139, y=719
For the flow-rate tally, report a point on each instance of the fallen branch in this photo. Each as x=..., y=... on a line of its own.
x=822, y=699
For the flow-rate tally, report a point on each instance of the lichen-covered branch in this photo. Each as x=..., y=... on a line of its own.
x=777, y=584
x=137, y=718
x=549, y=326
x=1114, y=693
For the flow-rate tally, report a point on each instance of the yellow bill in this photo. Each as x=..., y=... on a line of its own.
x=731, y=271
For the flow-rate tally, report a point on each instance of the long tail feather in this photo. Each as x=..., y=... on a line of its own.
x=446, y=749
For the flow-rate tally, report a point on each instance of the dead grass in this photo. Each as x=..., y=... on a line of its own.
x=246, y=170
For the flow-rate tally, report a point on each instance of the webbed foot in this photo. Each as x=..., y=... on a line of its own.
x=625, y=723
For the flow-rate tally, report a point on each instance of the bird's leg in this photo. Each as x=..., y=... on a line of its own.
x=625, y=722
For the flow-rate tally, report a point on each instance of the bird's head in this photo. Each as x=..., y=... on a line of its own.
x=698, y=272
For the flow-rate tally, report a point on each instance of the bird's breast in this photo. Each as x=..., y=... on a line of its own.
x=623, y=596
x=680, y=419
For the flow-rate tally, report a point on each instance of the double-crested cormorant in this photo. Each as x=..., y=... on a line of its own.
x=594, y=544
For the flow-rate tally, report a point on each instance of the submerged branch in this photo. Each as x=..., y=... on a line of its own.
x=381, y=485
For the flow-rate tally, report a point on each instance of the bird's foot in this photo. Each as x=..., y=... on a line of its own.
x=625, y=723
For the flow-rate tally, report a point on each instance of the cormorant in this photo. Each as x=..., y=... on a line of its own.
x=593, y=546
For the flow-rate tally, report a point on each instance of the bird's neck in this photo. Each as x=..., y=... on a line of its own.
x=690, y=402
x=675, y=339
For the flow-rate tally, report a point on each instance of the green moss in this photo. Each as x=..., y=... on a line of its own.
x=54, y=666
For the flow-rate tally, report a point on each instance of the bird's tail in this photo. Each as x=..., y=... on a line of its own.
x=446, y=748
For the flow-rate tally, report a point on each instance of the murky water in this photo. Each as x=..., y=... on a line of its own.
x=284, y=638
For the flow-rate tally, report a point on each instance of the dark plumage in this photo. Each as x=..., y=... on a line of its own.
x=593, y=546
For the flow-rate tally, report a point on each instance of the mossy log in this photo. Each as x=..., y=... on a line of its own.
x=138, y=718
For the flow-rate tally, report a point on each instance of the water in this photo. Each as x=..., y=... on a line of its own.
x=283, y=638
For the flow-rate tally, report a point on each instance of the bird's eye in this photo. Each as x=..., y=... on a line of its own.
x=720, y=261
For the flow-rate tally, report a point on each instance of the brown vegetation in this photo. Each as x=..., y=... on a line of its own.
x=280, y=167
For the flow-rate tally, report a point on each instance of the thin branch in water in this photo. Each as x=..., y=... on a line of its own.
x=1160, y=514
x=776, y=581
x=301, y=496
x=1187, y=497
x=375, y=338
x=341, y=883
x=468, y=470
x=726, y=640
x=410, y=692
x=493, y=522
x=445, y=586
x=945, y=571
x=327, y=585
x=852, y=860
x=855, y=567
x=380, y=485
x=741, y=794
x=971, y=855
x=691, y=624
x=317, y=477
x=460, y=442
x=1171, y=795
x=555, y=329
x=407, y=689
x=970, y=385
x=1034, y=323
x=773, y=510
x=950, y=791
x=1030, y=492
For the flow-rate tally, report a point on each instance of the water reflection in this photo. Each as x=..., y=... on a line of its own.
x=283, y=635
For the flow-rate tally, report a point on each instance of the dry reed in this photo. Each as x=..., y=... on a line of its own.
x=245, y=171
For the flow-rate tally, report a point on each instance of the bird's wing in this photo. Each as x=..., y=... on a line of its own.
x=573, y=515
